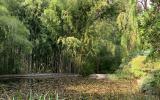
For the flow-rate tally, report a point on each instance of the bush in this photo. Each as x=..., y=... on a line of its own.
x=136, y=65
x=151, y=83
x=87, y=69
x=133, y=69
x=124, y=74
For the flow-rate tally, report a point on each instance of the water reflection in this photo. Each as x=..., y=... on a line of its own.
x=69, y=87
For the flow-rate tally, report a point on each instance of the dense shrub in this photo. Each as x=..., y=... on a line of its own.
x=151, y=83
x=87, y=69
x=136, y=65
x=133, y=69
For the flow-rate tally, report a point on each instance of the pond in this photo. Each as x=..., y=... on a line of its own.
x=71, y=88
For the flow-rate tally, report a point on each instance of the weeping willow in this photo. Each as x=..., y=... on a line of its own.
x=127, y=24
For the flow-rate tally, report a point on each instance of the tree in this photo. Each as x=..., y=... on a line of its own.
x=14, y=42
x=92, y=35
x=149, y=28
x=128, y=26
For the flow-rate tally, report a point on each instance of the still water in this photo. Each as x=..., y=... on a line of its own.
x=72, y=88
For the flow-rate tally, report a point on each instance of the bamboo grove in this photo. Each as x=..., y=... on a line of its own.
x=74, y=36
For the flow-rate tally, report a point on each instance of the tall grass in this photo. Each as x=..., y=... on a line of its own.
x=57, y=96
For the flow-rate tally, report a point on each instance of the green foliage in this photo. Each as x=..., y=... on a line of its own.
x=15, y=33
x=81, y=36
x=70, y=43
x=103, y=45
x=13, y=42
x=75, y=35
x=149, y=29
x=128, y=27
x=124, y=74
x=81, y=22
x=3, y=10
x=87, y=69
x=136, y=66
x=133, y=68
x=151, y=83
